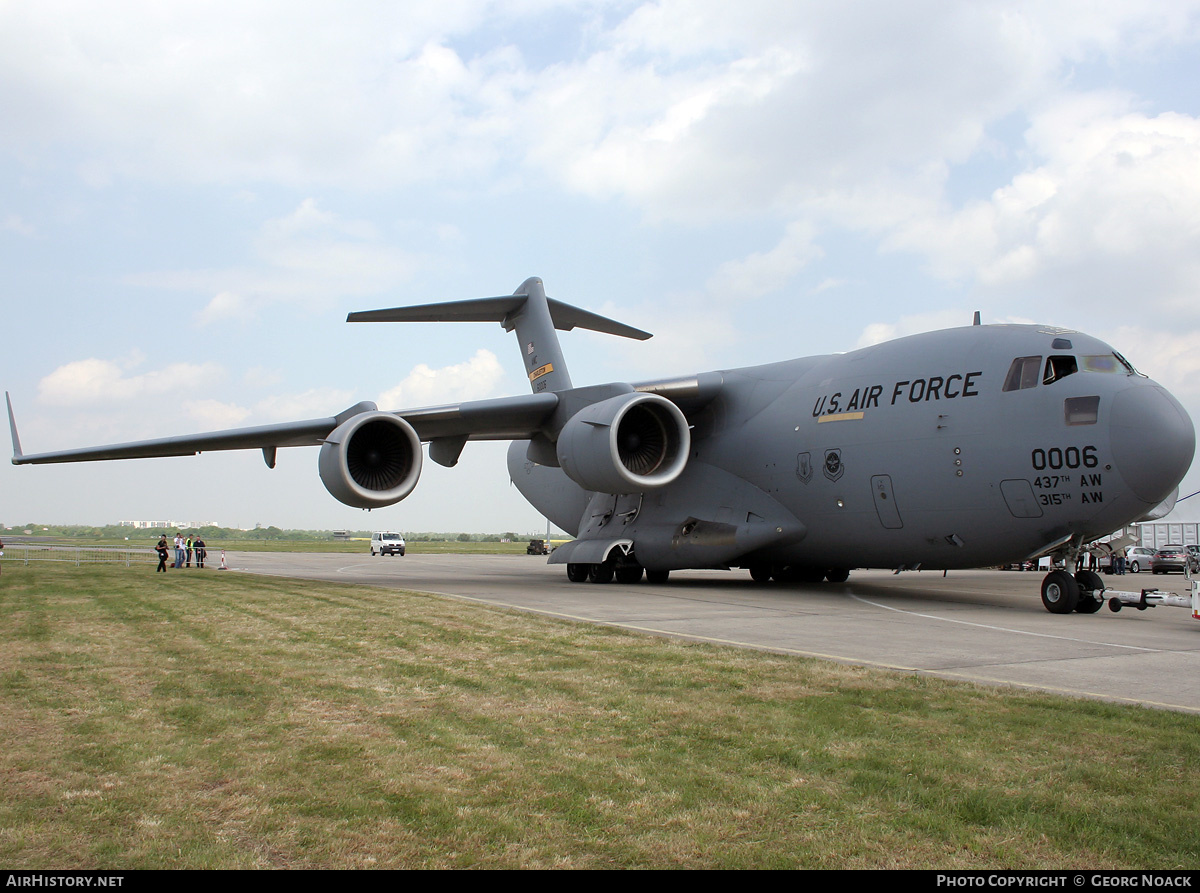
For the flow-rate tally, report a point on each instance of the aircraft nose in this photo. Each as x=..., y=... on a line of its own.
x=1153, y=441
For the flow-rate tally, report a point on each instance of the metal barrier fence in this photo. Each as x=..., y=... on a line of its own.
x=77, y=555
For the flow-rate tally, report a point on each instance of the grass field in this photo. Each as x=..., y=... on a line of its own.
x=223, y=720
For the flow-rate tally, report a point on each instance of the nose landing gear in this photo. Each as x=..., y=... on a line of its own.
x=1066, y=589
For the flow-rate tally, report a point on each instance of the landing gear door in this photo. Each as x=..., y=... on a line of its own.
x=885, y=502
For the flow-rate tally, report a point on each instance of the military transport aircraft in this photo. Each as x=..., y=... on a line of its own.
x=960, y=448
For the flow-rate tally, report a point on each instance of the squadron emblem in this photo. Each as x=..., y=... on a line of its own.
x=833, y=464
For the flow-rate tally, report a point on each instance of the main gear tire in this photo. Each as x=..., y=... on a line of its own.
x=1060, y=592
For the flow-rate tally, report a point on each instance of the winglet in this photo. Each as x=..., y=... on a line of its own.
x=12, y=427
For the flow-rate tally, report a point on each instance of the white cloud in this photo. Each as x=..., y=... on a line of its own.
x=682, y=106
x=308, y=256
x=474, y=379
x=764, y=272
x=210, y=414
x=1110, y=215
x=314, y=403
x=878, y=332
x=92, y=382
x=1169, y=357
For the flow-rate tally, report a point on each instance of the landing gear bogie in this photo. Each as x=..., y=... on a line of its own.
x=600, y=573
x=626, y=572
x=629, y=573
x=760, y=573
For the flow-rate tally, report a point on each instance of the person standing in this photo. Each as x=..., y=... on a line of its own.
x=188, y=549
x=201, y=552
x=178, y=551
x=161, y=549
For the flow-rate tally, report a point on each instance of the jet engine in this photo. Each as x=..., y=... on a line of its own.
x=371, y=460
x=625, y=444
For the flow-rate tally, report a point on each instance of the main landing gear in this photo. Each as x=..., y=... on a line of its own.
x=621, y=571
x=1081, y=592
x=795, y=573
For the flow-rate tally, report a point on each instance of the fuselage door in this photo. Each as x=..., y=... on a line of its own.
x=885, y=502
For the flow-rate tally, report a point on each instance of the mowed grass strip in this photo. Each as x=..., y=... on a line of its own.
x=221, y=720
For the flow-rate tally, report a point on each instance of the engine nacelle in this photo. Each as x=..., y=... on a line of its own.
x=371, y=460
x=625, y=444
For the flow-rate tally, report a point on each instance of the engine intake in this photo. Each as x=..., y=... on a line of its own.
x=625, y=444
x=371, y=460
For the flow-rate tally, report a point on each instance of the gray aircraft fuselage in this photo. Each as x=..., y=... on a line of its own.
x=926, y=451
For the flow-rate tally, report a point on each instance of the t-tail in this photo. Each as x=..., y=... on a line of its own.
x=530, y=313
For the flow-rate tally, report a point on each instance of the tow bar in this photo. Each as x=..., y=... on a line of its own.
x=1149, y=598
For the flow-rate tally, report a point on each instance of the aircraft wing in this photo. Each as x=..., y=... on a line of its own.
x=502, y=418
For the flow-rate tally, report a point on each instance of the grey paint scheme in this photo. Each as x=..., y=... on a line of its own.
x=918, y=482
x=903, y=454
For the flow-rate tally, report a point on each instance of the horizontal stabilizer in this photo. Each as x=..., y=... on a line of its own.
x=500, y=309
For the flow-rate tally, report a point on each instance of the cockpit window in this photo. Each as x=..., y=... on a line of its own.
x=1023, y=373
x=1101, y=364
x=1059, y=367
x=1128, y=365
x=1110, y=362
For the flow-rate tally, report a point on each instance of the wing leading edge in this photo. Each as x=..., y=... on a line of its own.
x=503, y=418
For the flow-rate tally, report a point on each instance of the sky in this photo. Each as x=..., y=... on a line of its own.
x=194, y=195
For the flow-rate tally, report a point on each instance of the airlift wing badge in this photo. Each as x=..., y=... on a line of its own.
x=834, y=468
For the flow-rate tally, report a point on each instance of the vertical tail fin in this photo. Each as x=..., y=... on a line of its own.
x=530, y=313
x=540, y=350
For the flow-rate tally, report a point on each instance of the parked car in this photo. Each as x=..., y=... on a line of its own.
x=1172, y=558
x=385, y=543
x=1137, y=559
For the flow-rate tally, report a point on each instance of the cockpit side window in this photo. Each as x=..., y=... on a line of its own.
x=1081, y=410
x=1059, y=367
x=1023, y=373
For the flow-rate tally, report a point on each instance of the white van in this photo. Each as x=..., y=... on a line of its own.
x=387, y=544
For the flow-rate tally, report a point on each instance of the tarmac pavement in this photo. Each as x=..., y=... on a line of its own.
x=981, y=626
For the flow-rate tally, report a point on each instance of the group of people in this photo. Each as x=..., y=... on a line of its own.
x=185, y=549
x=1118, y=561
